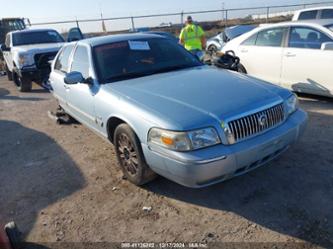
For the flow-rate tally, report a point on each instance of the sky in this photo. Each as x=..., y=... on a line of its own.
x=58, y=10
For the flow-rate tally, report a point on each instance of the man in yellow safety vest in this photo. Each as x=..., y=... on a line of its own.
x=192, y=36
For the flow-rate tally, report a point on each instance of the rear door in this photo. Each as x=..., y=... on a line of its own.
x=61, y=68
x=307, y=68
x=261, y=54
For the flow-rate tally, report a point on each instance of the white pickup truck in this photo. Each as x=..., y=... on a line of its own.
x=27, y=54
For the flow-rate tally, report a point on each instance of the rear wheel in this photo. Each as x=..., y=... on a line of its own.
x=23, y=84
x=130, y=156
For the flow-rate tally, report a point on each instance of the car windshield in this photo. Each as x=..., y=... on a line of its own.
x=137, y=58
x=233, y=32
x=36, y=37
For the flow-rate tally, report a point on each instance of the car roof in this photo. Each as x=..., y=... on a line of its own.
x=315, y=22
x=314, y=8
x=32, y=30
x=241, y=25
x=101, y=40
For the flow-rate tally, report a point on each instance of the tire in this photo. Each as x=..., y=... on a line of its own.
x=241, y=69
x=130, y=156
x=23, y=84
x=212, y=50
x=9, y=74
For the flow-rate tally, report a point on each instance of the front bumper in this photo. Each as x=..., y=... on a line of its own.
x=216, y=164
x=39, y=75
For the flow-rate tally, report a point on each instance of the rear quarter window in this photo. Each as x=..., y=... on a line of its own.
x=327, y=14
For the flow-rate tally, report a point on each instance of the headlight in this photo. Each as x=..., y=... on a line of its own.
x=291, y=104
x=25, y=60
x=183, y=141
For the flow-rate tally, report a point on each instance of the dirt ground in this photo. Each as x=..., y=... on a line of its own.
x=62, y=183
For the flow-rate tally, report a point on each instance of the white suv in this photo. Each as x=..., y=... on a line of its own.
x=27, y=54
x=314, y=13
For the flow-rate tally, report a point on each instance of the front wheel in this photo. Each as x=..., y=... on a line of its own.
x=130, y=156
x=23, y=84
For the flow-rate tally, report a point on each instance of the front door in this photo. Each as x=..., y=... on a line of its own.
x=80, y=97
x=261, y=54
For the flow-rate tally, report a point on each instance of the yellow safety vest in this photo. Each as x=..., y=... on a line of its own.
x=191, y=35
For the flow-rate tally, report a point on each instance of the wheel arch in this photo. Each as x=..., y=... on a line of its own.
x=112, y=124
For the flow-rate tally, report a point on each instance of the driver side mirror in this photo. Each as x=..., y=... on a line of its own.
x=74, y=78
x=327, y=46
x=4, y=48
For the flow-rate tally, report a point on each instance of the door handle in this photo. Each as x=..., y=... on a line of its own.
x=67, y=87
x=289, y=54
x=244, y=50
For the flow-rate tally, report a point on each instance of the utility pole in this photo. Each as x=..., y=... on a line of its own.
x=103, y=23
x=77, y=22
x=102, y=19
x=133, y=25
x=222, y=11
x=182, y=18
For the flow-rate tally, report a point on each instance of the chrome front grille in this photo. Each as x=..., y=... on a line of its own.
x=256, y=123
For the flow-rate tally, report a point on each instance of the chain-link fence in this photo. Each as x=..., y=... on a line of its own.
x=212, y=19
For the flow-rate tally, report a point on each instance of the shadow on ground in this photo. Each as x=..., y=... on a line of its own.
x=292, y=195
x=5, y=95
x=35, y=173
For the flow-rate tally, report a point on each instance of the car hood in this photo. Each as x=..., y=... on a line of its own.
x=39, y=48
x=197, y=96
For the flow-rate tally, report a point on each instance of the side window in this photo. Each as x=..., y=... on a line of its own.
x=250, y=41
x=62, y=63
x=327, y=14
x=308, y=15
x=308, y=38
x=81, y=61
x=270, y=37
x=7, y=42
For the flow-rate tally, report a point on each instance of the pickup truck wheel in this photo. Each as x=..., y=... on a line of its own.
x=23, y=84
x=130, y=156
x=9, y=74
